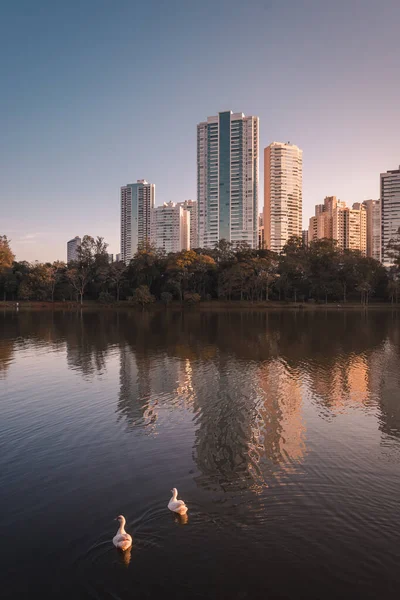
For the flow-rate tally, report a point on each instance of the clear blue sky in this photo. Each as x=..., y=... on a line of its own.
x=99, y=93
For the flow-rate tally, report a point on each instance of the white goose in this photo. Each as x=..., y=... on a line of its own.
x=122, y=540
x=175, y=505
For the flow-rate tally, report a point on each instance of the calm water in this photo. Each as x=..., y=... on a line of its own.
x=281, y=432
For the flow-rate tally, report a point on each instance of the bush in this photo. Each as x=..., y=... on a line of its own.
x=106, y=298
x=142, y=296
x=191, y=297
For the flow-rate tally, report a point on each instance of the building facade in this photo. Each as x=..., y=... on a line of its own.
x=72, y=248
x=390, y=211
x=374, y=242
x=283, y=182
x=261, y=232
x=334, y=220
x=304, y=237
x=137, y=201
x=349, y=226
x=170, y=227
x=321, y=225
x=191, y=206
x=312, y=229
x=227, y=179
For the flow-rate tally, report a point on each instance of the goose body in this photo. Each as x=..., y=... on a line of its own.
x=122, y=540
x=177, y=506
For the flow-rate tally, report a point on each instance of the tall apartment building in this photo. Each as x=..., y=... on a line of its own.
x=390, y=210
x=227, y=179
x=312, y=229
x=350, y=227
x=334, y=220
x=191, y=206
x=170, y=227
x=321, y=225
x=137, y=200
x=72, y=248
x=304, y=237
x=374, y=234
x=283, y=177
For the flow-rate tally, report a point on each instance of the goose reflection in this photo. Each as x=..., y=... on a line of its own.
x=125, y=557
x=181, y=519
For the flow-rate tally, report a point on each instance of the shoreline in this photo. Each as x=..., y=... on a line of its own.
x=208, y=306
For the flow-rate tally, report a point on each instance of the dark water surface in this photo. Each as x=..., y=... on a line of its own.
x=281, y=432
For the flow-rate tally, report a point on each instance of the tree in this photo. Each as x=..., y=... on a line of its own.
x=368, y=273
x=6, y=255
x=55, y=274
x=393, y=288
x=117, y=275
x=293, y=267
x=166, y=298
x=79, y=278
x=146, y=265
x=142, y=296
x=91, y=265
x=323, y=261
x=393, y=251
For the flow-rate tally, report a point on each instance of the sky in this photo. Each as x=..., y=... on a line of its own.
x=96, y=94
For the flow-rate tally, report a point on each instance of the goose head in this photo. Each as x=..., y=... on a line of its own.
x=121, y=519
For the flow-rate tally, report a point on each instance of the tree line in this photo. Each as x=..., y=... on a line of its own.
x=319, y=272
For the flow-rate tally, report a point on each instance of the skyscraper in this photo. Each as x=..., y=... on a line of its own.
x=390, y=210
x=191, y=206
x=373, y=208
x=227, y=179
x=72, y=248
x=170, y=227
x=137, y=200
x=283, y=180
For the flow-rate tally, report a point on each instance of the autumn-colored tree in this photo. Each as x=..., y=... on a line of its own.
x=142, y=296
x=6, y=255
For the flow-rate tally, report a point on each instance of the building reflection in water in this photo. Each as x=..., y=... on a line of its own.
x=244, y=376
x=283, y=421
x=246, y=385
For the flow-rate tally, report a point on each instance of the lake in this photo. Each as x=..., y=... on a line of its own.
x=281, y=431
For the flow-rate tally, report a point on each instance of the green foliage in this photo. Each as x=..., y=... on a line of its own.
x=106, y=298
x=142, y=296
x=320, y=272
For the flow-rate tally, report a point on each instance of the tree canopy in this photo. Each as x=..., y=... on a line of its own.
x=320, y=272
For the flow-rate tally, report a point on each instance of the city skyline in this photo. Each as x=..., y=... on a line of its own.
x=74, y=134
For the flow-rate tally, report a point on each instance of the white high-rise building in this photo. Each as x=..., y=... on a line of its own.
x=170, y=227
x=72, y=248
x=283, y=182
x=390, y=210
x=137, y=201
x=227, y=179
x=191, y=206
